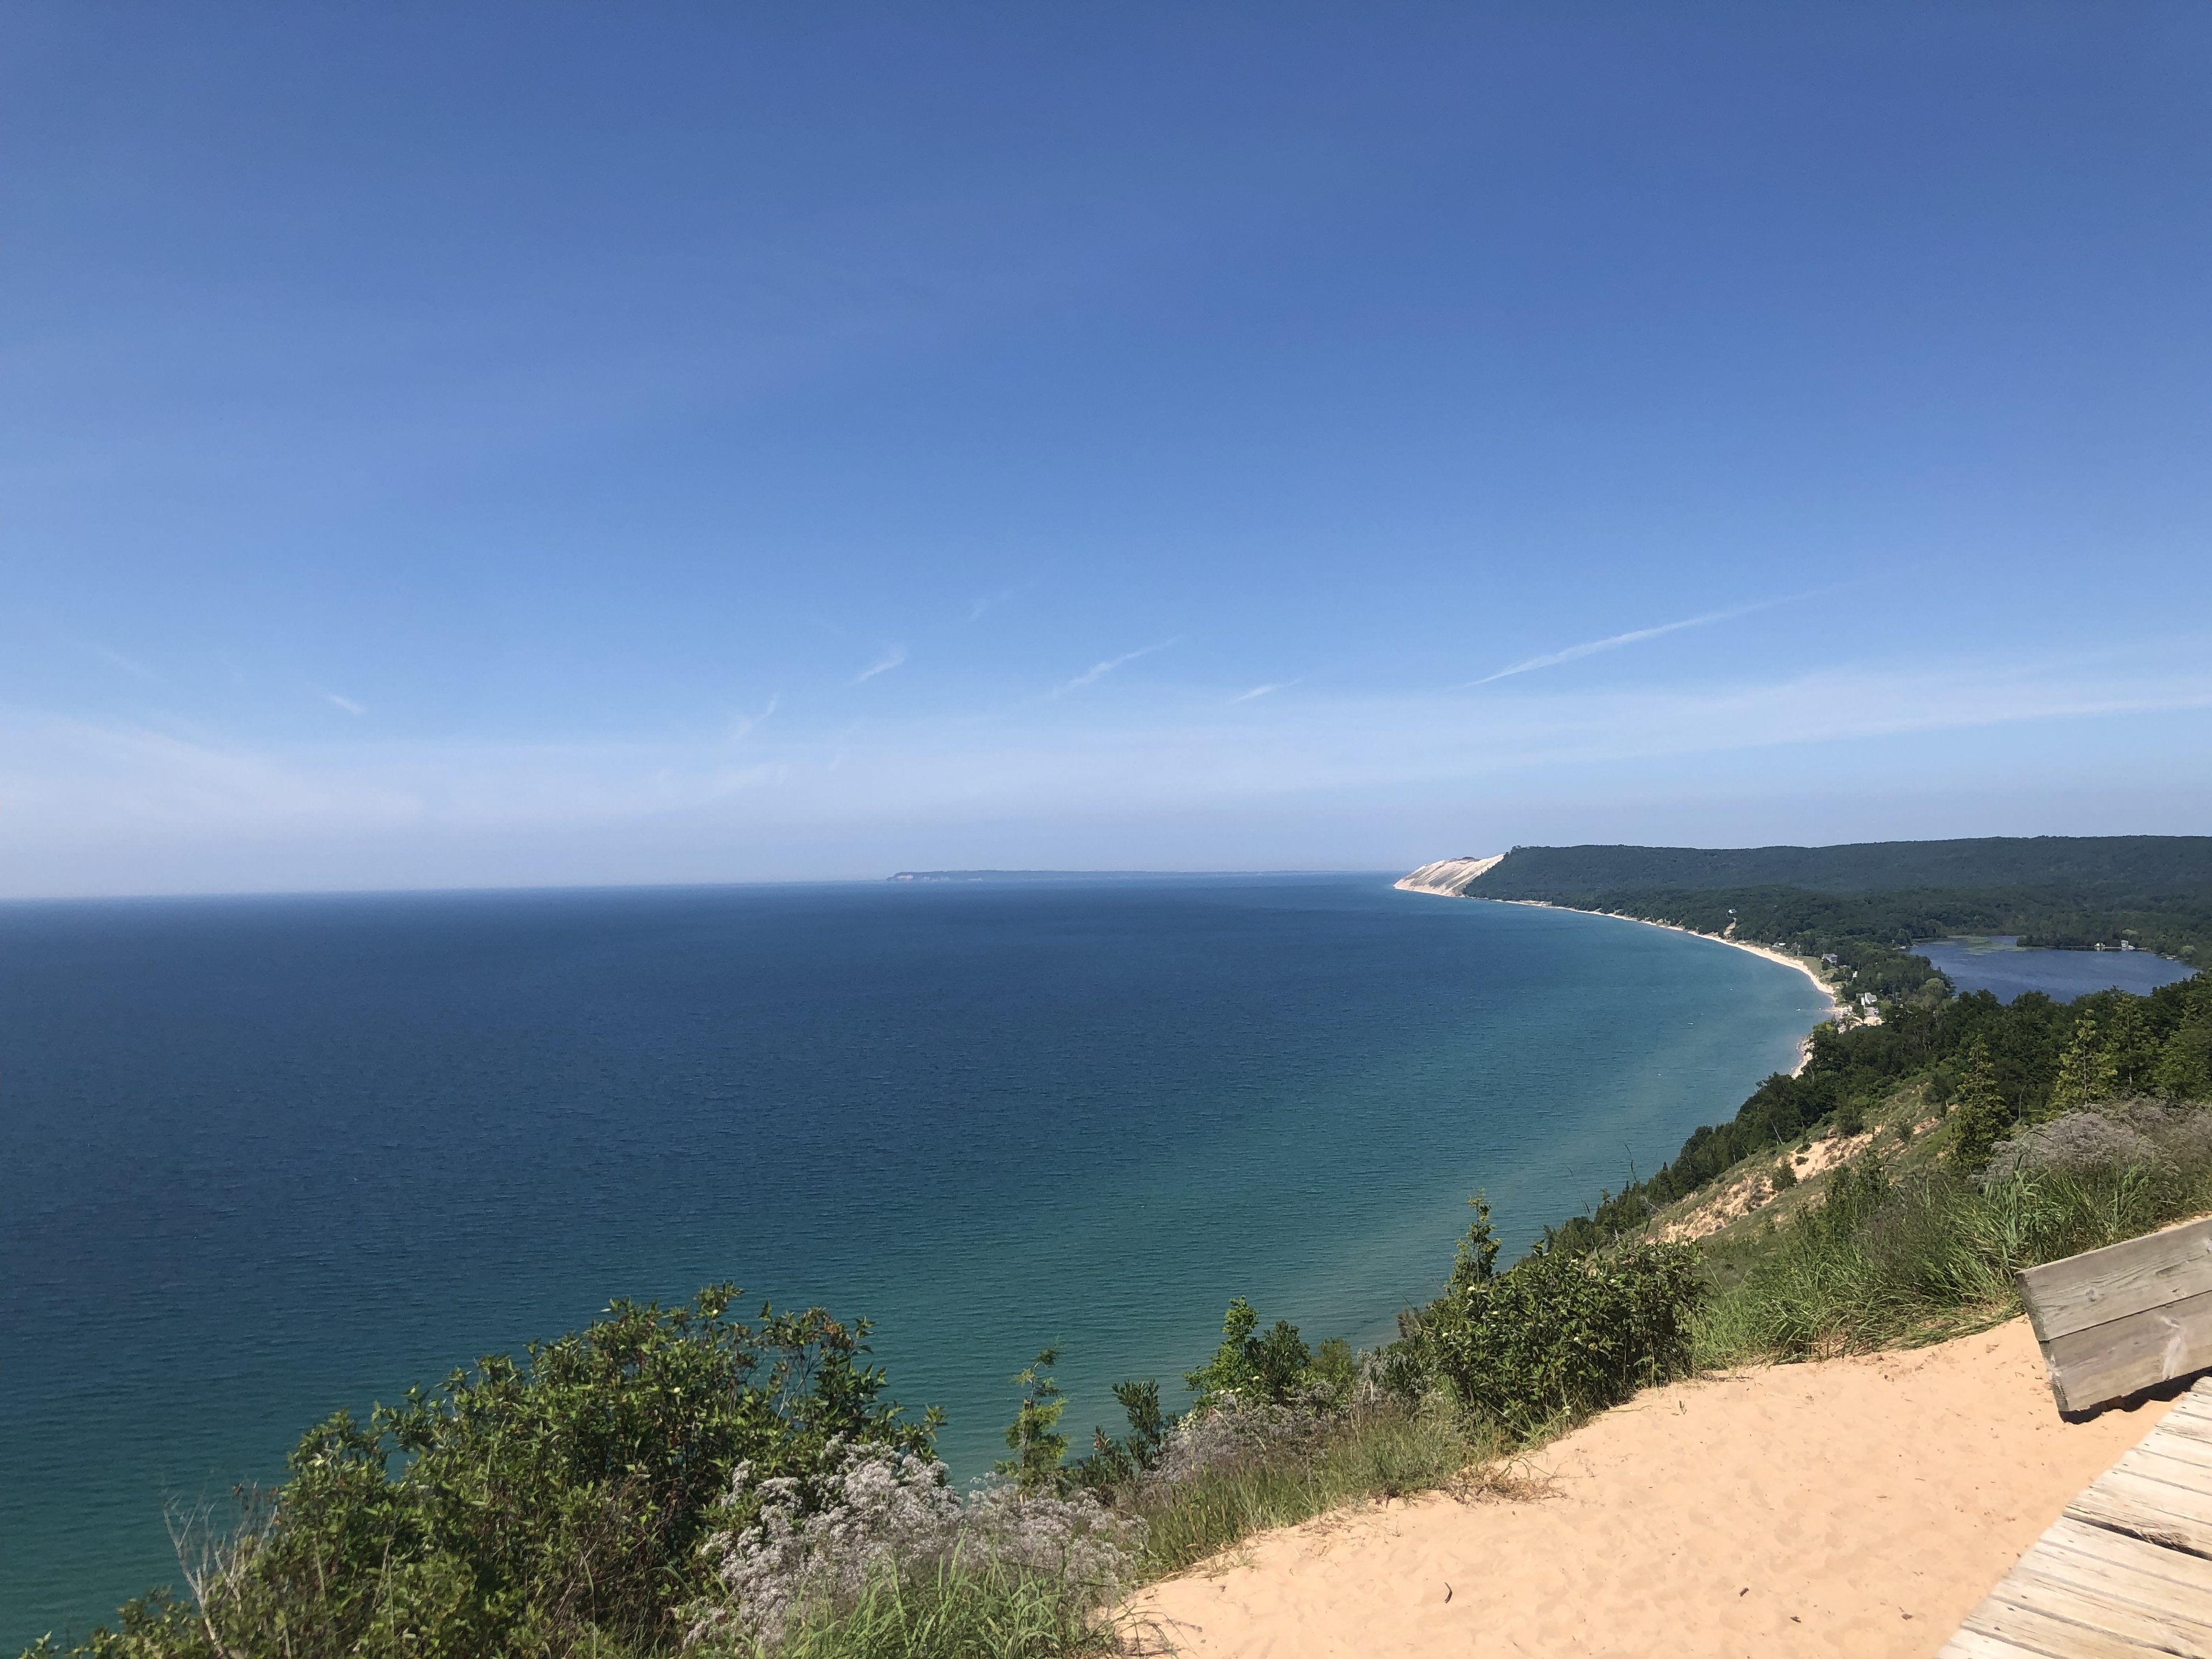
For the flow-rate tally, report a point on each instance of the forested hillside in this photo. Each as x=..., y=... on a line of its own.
x=1870, y=903
x=2117, y=866
x=2002, y=1065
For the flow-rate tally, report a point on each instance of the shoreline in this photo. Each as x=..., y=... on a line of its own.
x=1838, y=1009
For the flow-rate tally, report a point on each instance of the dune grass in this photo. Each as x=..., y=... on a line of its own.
x=1887, y=1264
x=1381, y=1451
x=1375, y=1452
x=960, y=1613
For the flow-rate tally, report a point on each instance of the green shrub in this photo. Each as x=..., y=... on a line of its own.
x=1555, y=1336
x=1113, y=1464
x=550, y=1506
x=1255, y=1366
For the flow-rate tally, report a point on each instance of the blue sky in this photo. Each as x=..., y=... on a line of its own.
x=488, y=444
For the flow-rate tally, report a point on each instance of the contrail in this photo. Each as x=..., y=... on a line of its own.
x=1098, y=671
x=883, y=664
x=1614, y=642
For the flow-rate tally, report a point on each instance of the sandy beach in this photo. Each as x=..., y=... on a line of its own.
x=1854, y=1506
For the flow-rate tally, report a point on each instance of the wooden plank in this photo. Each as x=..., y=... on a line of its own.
x=2157, y=1501
x=2044, y=1633
x=1974, y=1644
x=2166, y=1441
x=2145, y=1510
x=2195, y=1406
x=2138, y=1603
x=2189, y=1425
x=2105, y=1362
x=2034, y=1586
x=2153, y=1463
x=2173, y=1460
x=2098, y=1287
x=2097, y=1551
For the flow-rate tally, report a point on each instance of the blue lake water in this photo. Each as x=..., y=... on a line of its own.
x=1999, y=966
x=263, y=1157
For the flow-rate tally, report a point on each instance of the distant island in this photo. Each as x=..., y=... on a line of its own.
x=1076, y=875
x=1026, y=875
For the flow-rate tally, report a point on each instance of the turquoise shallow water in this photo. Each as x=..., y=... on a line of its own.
x=263, y=1157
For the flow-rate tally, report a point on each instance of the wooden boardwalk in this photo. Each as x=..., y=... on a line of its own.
x=2127, y=1570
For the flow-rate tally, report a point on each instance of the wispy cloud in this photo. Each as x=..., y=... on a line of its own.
x=742, y=726
x=989, y=602
x=1634, y=636
x=1259, y=691
x=346, y=703
x=1099, y=670
x=130, y=806
x=891, y=658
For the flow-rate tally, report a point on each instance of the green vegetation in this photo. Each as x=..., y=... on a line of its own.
x=554, y=1505
x=1869, y=904
x=1555, y=1337
x=957, y=1613
x=1383, y=1451
x=2089, y=866
x=1890, y=1260
x=677, y=1480
x=2001, y=1065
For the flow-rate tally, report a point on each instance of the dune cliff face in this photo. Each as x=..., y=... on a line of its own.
x=1451, y=877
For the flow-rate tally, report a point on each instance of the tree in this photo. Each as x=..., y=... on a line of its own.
x=1112, y=1462
x=1257, y=1369
x=1034, y=1435
x=1478, y=1252
x=2131, y=1047
x=2185, y=1068
x=2088, y=1069
x=1979, y=1112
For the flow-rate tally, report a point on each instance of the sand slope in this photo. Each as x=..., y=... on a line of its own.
x=1854, y=1506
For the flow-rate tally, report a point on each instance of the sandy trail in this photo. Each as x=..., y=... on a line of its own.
x=1854, y=1506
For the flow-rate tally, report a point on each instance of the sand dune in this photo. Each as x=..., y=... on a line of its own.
x=1854, y=1506
x=1448, y=878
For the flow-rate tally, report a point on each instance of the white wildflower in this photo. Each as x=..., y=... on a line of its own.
x=876, y=1514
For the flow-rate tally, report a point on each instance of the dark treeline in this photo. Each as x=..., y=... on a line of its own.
x=2108, y=867
x=1872, y=935
x=1870, y=905
x=2031, y=1057
x=1876, y=930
